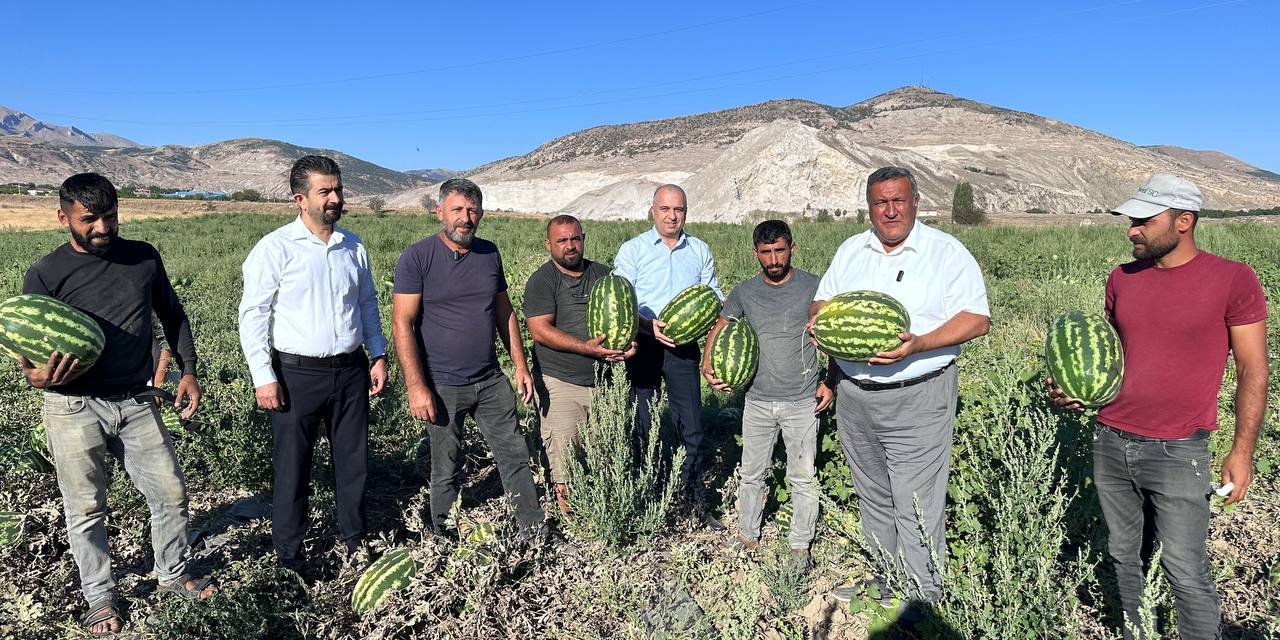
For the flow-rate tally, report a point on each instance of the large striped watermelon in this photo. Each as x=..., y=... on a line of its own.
x=1084, y=357
x=691, y=314
x=34, y=326
x=856, y=325
x=611, y=312
x=735, y=353
x=389, y=573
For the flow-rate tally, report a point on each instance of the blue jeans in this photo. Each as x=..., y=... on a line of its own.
x=761, y=422
x=1169, y=481
x=82, y=431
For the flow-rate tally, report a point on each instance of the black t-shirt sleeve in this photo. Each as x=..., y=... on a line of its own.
x=32, y=283
x=539, y=295
x=177, y=327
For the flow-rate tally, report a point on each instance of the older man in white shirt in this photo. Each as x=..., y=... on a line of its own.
x=894, y=413
x=309, y=304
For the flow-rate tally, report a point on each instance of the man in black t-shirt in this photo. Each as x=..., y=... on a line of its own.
x=110, y=407
x=564, y=356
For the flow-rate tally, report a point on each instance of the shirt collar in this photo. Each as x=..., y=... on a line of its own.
x=913, y=241
x=298, y=231
x=654, y=237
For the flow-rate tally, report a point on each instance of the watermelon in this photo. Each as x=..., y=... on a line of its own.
x=691, y=314
x=611, y=312
x=10, y=527
x=1084, y=357
x=856, y=325
x=391, y=572
x=783, y=516
x=735, y=353
x=34, y=326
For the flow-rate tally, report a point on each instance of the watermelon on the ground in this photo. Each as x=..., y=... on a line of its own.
x=611, y=312
x=691, y=314
x=34, y=326
x=10, y=527
x=1083, y=355
x=735, y=353
x=856, y=325
x=391, y=572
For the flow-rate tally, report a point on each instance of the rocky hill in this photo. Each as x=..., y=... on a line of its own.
x=794, y=156
x=231, y=165
x=20, y=125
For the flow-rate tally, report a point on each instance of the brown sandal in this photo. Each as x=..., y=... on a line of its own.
x=102, y=610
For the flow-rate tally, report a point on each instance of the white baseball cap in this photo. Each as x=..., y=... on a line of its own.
x=1160, y=192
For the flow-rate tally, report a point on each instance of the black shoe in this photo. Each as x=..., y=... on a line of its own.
x=297, y=565
x=709, y=520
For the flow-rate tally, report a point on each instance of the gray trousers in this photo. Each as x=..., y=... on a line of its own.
x=492, y=403
x=898, y=443
x=82, y=431
x=1159, y=488
x=761, y=422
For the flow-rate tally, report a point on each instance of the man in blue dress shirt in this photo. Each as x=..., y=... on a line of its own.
x=660, y=263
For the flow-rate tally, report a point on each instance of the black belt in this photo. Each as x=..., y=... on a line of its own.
x=138, y=394
x=324, y=362
x=1198, y=434
x=869, y=385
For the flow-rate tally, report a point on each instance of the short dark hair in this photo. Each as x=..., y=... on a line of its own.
x=563, y=218
x=300, y=174
x=891, y=173
x=91, y=190
x=769, y=231
x=464, y=188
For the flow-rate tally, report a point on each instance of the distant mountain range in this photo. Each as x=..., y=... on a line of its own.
x=785, y=156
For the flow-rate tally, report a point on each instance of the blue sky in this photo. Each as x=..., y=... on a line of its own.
x=426, y=84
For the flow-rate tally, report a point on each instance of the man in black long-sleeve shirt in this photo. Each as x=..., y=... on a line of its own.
x=119, y=283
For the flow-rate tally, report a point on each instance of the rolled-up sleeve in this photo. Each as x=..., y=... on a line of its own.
x=261, y=272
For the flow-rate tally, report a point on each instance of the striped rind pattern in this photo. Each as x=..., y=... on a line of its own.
x=735, y=353
x=34, y=326
x=856, y=325
x=611, y=312
x=691, y=314
x=10, y=527
x=1084, y=357
x=389, y=573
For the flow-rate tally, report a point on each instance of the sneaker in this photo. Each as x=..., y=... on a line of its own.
x=869, y=587
x=800, y=562
x=845, y=592
x=739, y=544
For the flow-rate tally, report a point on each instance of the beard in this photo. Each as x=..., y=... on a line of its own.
x=462, y=238
x=571, y=264
x=86, y=241
x=330, y=216
x=1154, y=250
x=776, y=274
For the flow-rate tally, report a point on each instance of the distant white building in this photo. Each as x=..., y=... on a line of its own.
x=37, y=192
x=927, y=213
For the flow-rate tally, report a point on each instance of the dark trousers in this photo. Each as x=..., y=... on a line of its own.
x=337, y=400
x=1159, y=488
x=679, y=367
x=492, y=403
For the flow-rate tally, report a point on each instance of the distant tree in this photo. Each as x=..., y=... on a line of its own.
x=823, y=215
x=428, y=202
x=376, y=205
x=248, y=195
x=963, y=209
x=862, y=216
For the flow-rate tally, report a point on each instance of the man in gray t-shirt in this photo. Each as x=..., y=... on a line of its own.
x=785, y=394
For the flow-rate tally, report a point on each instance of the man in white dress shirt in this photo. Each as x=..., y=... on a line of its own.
x=308, y=306
x=894, y=414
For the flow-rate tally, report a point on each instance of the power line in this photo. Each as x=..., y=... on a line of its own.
x=479, y=111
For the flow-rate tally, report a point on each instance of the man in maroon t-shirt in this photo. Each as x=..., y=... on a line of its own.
x=1178, y=310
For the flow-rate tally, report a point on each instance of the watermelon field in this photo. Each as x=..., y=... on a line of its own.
x=1027, y=543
